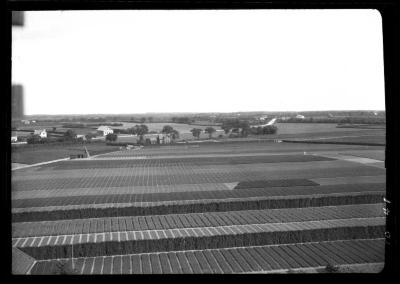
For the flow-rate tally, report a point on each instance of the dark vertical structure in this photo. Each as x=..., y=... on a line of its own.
x=17, y=91
x=17, y=102
x=17, y=18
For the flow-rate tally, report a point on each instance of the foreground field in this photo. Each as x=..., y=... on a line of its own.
x=31, y=154
x=219, y=208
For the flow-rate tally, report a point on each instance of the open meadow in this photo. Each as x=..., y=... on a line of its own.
x=238, y=207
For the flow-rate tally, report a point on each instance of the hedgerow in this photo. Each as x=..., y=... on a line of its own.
x=206, y=242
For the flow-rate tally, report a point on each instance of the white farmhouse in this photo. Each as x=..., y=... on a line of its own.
x=81, y=136
x=41, y=132
x=300, y=116
x=105, y=130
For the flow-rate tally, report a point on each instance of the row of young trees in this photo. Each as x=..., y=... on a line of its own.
x=141, y=130
x=243, y=128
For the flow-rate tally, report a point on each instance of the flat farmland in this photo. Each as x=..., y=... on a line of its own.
x=148, y=176
x=299, y=128
x=233, y=147
x=259, y=259
x=233, y=207
x=31, y=154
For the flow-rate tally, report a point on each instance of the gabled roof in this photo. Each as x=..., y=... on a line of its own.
x=104, y=128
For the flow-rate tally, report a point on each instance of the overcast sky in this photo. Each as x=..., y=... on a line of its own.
x=83, y=62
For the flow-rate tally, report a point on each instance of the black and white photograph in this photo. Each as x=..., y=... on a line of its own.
x=209, y=141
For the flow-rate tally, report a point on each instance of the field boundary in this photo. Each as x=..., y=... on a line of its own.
x=332, y=142
x=40, y=164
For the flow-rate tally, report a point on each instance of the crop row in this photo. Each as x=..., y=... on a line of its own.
x=231, y=260
x=121, y=163
x=274, y=183
x=33, y=194
x=117, y=243
x=193, y=220
x=146, y=177
x=184, y=207
x=195, y=195
x=175, y=169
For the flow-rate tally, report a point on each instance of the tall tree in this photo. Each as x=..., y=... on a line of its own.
x=210, y=131
x=175, y=134
x=196, y=132
x=111, y=137
x=141, y=130
x=69, y=135
x=167, y=129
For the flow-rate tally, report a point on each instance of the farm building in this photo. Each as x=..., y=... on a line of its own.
x=162, y=138
x=14, y=138
x=41, y=132
x=299, y=116
x=105, y=130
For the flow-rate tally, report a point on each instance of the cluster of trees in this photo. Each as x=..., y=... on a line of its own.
x=237, y=126
x=111, y=137
x=197, y=131
x=138, y=129
x=269, y=129
x=141, y=130
x=243, y=128
x=167, y=129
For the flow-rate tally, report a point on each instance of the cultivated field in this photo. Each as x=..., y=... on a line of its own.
x=31, y=154
x=237, y=207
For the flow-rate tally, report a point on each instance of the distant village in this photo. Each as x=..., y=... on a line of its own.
x=233, y=125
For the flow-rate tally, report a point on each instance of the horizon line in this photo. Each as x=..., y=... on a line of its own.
x=205, y=112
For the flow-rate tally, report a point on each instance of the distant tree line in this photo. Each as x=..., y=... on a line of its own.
x=186, y=120
x=340, y=120
x=82, y=125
